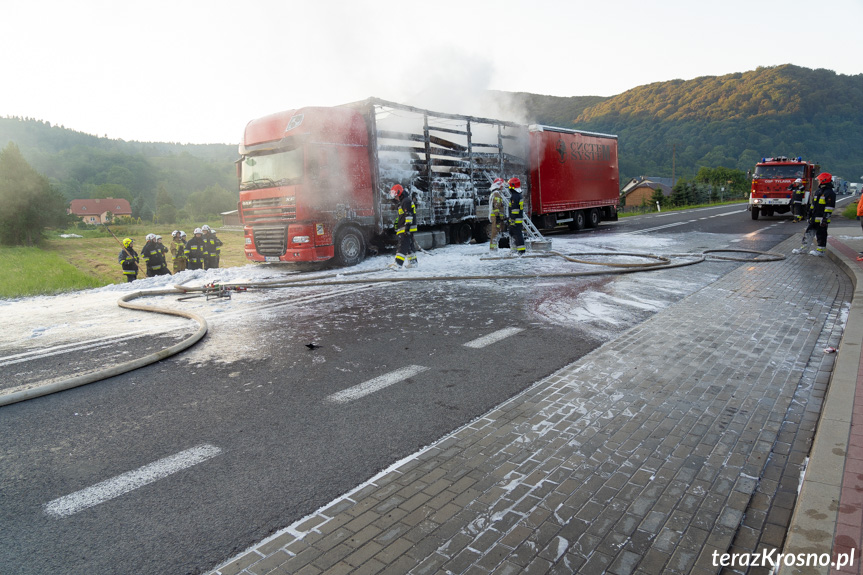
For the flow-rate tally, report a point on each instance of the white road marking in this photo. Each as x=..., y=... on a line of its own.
x=375, y=384
x=126, y=482
x=493, y=337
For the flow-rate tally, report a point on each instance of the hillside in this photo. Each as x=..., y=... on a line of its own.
x=729, y=121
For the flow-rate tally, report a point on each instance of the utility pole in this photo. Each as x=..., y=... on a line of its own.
x=673, y=157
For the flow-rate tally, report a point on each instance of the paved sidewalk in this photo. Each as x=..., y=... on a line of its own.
x=681, y=440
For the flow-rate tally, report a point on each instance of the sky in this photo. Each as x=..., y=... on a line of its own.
x=192, y=71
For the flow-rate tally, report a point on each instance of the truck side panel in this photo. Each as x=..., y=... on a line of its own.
x=572, y=170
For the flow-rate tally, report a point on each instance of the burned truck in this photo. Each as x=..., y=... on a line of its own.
x=314, y=181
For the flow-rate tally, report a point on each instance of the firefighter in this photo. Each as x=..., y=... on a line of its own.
x=820, y=209
x=798, y=191
x=147, y=253
x=160, y=267
x=128, y=259
x=178, y=250
x=404, y=227
x=194, y=251
x=496, y=212
x=516, y=213
x=214, y=247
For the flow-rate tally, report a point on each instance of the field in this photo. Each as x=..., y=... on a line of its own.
x=73, y=263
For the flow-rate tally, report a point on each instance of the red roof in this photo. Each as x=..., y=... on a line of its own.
x=118, y=207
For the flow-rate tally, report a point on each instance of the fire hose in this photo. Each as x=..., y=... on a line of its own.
x=654, y=262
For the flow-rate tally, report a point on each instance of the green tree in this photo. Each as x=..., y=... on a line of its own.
x=658, y=197
x=111, y=191
x=28, y=203
x=211, y=201
x=166, y=214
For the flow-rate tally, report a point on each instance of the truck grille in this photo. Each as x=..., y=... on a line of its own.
x=269, y=210
x=271, y=241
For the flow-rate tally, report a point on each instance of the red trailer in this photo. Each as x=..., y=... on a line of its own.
x=573, y=176
x=314, y=181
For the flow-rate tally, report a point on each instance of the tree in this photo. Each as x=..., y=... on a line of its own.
x=211, y=202
x=658, y=197
x=28, y=203
x=111, y=191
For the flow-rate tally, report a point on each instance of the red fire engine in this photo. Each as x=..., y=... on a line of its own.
x=771, y=181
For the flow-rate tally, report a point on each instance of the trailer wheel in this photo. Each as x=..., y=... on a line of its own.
x=350, y=246
x=577, y=223
x=461, y=233
x=593, y=218
x=755, y=212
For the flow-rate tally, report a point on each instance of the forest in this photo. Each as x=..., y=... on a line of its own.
x=730, y=121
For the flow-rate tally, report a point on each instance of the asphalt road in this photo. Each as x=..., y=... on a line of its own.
x=176, y=467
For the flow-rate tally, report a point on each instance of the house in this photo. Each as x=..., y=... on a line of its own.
x=639, y=191
x=96, y=211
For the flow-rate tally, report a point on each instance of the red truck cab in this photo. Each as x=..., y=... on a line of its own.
x=299, y=171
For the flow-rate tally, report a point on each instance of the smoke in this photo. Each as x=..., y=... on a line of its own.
x=446, y=79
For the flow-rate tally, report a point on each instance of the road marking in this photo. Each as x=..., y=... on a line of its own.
x=375, y=384
x=126, y=482
x=493, y=337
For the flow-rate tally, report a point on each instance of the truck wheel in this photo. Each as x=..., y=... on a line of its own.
x=755, y=212
x=461, y=233
x=593, y=218
x=350, y=247
x=482, y=231
x=577, y=223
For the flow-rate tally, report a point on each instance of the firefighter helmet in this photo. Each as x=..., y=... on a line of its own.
x=182, y=235
x=497, y=184
x=127, y=243
x=798, y=181
x=823, y=178
x=198, y=231
x=149, y=237
x=175, y=233
x=396, y=191
x=514, y=183
x=205, y=228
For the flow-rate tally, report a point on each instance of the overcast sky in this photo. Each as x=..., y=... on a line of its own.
x=195, y=71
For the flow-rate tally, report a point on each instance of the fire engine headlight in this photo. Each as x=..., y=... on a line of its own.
x=301, y=239
x=758, y=201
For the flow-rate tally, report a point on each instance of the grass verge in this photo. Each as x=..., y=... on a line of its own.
x=34, y=271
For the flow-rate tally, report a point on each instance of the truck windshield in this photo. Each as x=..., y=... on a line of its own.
x=281, y=168
x=762, y=172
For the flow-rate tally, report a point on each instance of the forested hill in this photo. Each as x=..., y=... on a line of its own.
x=729, y=121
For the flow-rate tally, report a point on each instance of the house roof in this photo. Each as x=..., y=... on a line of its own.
x=666, y=190
x=117, y=206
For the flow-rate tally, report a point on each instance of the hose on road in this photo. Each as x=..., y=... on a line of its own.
x=655, y=262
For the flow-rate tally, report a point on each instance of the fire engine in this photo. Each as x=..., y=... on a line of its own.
x=771, y=181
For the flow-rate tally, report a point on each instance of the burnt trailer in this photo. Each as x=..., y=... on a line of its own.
x=314, y=181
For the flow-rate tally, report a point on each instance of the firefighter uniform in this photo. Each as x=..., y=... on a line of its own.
x=128, y=259
x=178, y=253
x=195, y=251
x=151, y=253
x=496, y=213
x=405, y=225
x=516, y=213
x=213, y=249
x=821, y=207
x=798, y=192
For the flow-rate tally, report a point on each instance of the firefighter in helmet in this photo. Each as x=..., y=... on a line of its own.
x=128, y=259
x=195, y=251
x=404, y=228
x=178, y=250
x=821, y=206
x=798, y=190
x=496, y=215
x=516, y=213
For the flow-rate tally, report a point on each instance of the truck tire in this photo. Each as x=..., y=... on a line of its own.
x=755, y=213
x=350, y=246
x=461, y=233
x=593, y=218
x=578, y=220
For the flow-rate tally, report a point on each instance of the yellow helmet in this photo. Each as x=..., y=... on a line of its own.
x=127, y=243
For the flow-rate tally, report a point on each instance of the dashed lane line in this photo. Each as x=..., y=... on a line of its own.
x=129, y=481
x=493, y=337
x=376, y=384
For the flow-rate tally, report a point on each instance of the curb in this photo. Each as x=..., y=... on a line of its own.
x=813, y=523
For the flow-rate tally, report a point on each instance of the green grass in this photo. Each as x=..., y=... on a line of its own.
x=850, y=211
x=33, y=271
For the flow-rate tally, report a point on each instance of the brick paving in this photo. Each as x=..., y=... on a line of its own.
x=683, y=437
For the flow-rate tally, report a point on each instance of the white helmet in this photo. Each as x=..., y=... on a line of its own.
x=158, y=238
x=205, y=228
x=798, y=181
x=182, y=234
x=175, y=233
x=149, y=237
x=198, y=231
